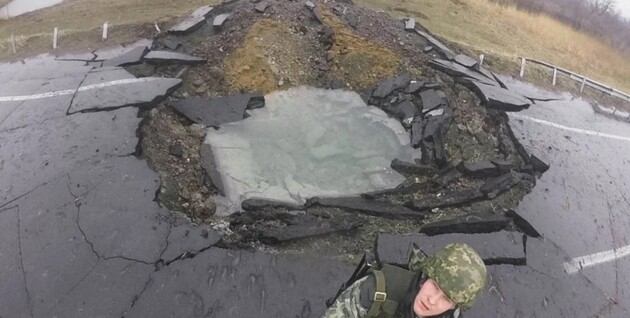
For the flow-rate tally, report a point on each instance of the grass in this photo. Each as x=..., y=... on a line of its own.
x=504, y=32
x=78, y=19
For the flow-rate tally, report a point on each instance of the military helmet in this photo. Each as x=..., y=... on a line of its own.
x=459, y=271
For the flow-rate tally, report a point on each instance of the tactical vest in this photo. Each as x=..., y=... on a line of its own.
x=392, y=285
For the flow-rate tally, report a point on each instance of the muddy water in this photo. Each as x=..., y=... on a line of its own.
x=18, y=7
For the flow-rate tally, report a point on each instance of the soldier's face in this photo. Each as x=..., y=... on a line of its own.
x=431, y=301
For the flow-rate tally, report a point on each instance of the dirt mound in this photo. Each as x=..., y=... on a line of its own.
x=358, y=61
x=272, y=56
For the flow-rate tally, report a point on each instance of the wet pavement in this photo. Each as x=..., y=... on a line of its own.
x=81, y=233
x=581, y=203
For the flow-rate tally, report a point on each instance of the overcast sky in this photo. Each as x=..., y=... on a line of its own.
x=624, y=7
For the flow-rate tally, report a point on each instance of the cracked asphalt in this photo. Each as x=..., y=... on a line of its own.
x=82, y=233
x=83, y=236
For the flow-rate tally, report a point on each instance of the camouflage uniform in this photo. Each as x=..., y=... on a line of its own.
x=457, y=269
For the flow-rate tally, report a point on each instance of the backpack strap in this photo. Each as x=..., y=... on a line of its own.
x=392, y=283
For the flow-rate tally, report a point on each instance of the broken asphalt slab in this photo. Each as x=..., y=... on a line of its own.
x=170, y=58
x=308, y=227
x=232, y=283
x=370, y=207
x=112, y=88
x=502, y=247
x=440, y=200
x=130, y=58
x=435, y=42
x=470, y=224
x=217, y=111
x=497, y=97
x=459, y=71
x=192, y=22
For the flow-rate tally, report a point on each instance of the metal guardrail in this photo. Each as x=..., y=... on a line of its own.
x=585, y=81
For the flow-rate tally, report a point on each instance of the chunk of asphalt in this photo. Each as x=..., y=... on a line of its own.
x=493, y=187
x=261, y=204
x=353, y=20
x=434, y=124
x=171, y=44
x=447, y=175
x=406, y=111
x=470, y=224
x=409, y=168
x=301, y=231
x=370, y=207
x=414, y=87
x=451, y=198
x=435, y=42
x=457, y=70
x=494, y=248
x=481, y=169
x=502, y=164
x=220, y=20
x=539, y=165
x=497, y=97
x=192, y=22
x=187, y=239
x=167, y=58
x=144, y=92
x=432, y=99
x=410, y=24
x=410, y=189
x=416, y=134
x=465, y=60
x=261, y=7
x=130, y=58
x=389, y=85
x=256, y=101
x=213, y=112
x=439, y=148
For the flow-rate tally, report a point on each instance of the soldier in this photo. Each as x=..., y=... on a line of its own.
x=441, y=285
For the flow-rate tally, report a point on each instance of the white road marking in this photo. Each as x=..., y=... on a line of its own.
x=81, y=89
x=572, y=129
x=577, y=264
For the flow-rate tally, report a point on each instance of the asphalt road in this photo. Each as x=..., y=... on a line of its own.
x=582, y=203
x=82, y=236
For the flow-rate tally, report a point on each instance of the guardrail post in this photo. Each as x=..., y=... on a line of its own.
x=522, y=66
x=55, y=37
x=105, y=26
x=555, y=76
x=583, y=83
x=13, y=43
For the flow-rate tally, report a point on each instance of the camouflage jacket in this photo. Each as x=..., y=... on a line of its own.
x=356, y=300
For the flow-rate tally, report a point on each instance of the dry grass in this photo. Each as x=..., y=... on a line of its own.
x=77, y=18
x=507, y=33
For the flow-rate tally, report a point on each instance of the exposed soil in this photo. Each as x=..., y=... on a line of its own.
x=171, y=145
x=284, y=47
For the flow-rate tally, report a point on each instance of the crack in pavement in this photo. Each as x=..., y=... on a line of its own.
x=28, y=293
x=77, y=91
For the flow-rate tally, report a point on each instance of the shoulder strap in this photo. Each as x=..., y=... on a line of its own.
x=392, y=283
x=380, y=296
